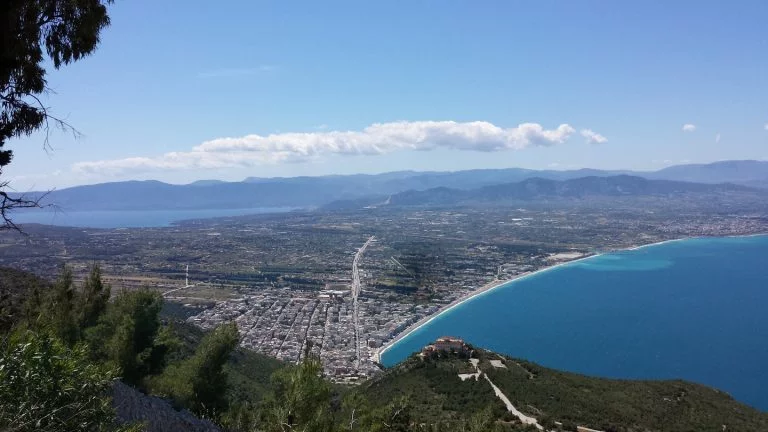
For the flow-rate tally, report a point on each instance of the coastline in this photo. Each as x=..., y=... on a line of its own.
x=499, y=283
x=490, y=286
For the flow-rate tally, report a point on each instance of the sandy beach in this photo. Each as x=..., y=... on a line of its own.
x=654, y=244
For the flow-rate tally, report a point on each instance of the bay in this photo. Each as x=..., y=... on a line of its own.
x=695, y=309
x=129, y=218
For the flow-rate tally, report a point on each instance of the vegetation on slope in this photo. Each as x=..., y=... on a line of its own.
x=436, y=394
x=47, y=386
x=67, y=343
x=609, y=404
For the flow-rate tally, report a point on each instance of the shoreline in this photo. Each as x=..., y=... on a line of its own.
x=490, y=286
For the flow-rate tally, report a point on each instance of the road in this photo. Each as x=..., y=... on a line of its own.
x=356, y=288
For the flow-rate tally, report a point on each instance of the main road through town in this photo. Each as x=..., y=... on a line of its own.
x=356, y=288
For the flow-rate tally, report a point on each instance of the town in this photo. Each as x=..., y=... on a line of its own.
x=347, y=283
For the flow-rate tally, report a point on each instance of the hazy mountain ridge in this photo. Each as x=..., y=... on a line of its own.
x=746, y=172
x=584, y=187
x=319, y=191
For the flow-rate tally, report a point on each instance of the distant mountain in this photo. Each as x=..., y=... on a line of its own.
x=206, y=182
x=319, y=191
x=745, y=172
x=580, y=188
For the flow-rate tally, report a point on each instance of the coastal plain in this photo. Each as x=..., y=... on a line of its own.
x=287, y=279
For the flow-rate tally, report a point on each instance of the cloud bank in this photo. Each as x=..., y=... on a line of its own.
x=689, y=127
x=376, y=139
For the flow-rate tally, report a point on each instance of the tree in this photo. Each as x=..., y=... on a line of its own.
x=128, y=335
x=32, y=31
x=301, y=399
x=62, y=308
x=47, y=386
x=200, y=382
x=95, y=296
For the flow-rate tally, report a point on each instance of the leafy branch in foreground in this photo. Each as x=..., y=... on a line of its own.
x=47, y=386
x=62, y=31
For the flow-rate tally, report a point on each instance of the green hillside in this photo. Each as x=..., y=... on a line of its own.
x=436, y=393
x=248, y=373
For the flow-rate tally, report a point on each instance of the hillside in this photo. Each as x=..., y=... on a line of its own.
x=305, y=192
x=436, y=393
x=248, y=372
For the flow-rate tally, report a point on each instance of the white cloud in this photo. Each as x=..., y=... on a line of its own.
x=236, y=72
x=717, y=138
x=379, y=138
x=688, y=127
x=766, y=126
x=593, y=137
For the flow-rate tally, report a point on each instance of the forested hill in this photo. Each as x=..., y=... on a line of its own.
x=556, y=399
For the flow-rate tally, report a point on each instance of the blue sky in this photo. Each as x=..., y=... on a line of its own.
x=180, y=91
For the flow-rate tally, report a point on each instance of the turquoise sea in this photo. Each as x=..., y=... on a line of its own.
x=693, y=309
x=128, y=218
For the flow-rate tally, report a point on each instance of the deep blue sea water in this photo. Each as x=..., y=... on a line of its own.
x=129, y=218
x=693, y=309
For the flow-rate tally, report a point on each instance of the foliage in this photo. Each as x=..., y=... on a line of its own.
x=362, y=416
x=95, y=298
x=47, y=386
x=301, y=399
x=129, y=335
x=64, y=31
x=200, y=382
x=433, y=389
x=248, y=376
x=62, y=307
x=20, y=296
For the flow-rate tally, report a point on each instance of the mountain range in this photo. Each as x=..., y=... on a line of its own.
x=307, y=192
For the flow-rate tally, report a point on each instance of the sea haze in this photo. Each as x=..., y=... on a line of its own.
x=693, y=309
x=129, y=218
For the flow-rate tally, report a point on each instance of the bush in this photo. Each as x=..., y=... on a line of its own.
x=199, y=383
x=47, y=386
x=129, y=335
